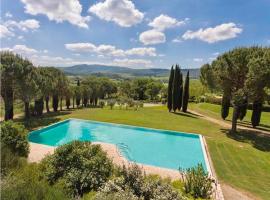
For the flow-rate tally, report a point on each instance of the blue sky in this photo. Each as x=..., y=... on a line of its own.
x=137, y=34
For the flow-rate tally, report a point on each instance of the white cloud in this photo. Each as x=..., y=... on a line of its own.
x=51, y=61
x=216, y=54
x=177, y=40
x=163, y=22
x=110, y=50
x=142, y=51
x=122, y=12
x=58, y=10
x=197, y=59
x=215, y=34
x=81, y=47
x=29, y=24
x=21, y=49
x=5, y=32
x=152, y=37
x=8, y=15
x=137, y=63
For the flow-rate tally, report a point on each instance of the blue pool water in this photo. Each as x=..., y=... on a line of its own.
x=160, y=148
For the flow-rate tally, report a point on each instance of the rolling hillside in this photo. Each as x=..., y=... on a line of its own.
x=105, y=70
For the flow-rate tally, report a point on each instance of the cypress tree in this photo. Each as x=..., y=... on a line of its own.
x=186, y=94
x=180, y=95
x=256, y=114
x=176, y=89
x=225, y=105
x=55, y=102
x=243, y=110
x=170, y=87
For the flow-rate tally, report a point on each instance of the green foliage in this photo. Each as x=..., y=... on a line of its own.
x=80, y=166
x=39, y=106
x=177, y=89
x=197, y=182
x=55, y=102
x=140, y=87
x=133, y=183
x=186, y=94
x=225, y=106
x=207, y=77
x=256, y=113
x=25, y=184
x=14, y=137
x=153, y=89
x=101, y=104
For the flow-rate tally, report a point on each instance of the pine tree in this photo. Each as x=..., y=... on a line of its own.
x=186, y=94
x=170, y=87
x=256, y=114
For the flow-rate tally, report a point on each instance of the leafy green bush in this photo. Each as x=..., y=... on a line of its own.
x=13, y=136
x=79, y=166
x=10, y=161
x=135, y=184
x=197, y=182
x=25, y=184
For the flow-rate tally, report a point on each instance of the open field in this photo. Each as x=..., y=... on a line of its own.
x=243, y=161
x=213, y=110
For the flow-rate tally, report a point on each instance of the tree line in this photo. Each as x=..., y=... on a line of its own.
x=243, y=77
x=178, y=93
x=45, y=86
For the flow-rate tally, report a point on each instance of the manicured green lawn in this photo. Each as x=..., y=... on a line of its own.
x=214, y=111
x=242, y=161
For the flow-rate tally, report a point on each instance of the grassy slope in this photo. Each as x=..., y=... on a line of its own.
x=214, y=111
x=243, y=162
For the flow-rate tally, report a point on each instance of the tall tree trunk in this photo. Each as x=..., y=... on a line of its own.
x=73, y=102
x=234, y=119
x=55, y=103
x=26, y=110
x=47, y=99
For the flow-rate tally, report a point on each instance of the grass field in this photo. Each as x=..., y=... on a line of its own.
x=213, y=110
x=242, y=161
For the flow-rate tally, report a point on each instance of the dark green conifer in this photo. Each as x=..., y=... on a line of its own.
x=256, y=113
x=186, y=94
x=170, y=87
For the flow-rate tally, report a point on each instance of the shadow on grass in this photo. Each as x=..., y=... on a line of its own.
x=44, y=120
x=247, y=124
x=187, y=114
x=259, y=141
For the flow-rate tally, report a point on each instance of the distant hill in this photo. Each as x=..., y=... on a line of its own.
x=115, y=71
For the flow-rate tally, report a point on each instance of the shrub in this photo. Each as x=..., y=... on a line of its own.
x=9, y=160
x=101, y=104
x=13, y=136
x=25, y=184
x=111, y=103
x=80, y=166
x=131, y=181
x=197, y=182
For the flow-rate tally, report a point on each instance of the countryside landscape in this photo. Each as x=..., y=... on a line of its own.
x=120, y=99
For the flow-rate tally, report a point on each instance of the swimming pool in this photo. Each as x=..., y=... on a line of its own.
x=161, y=148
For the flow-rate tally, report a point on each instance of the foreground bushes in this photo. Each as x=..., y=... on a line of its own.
x=131, y=183
x=80, y=166
x=197, y=182
x=14, y=146
x=25, y=184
